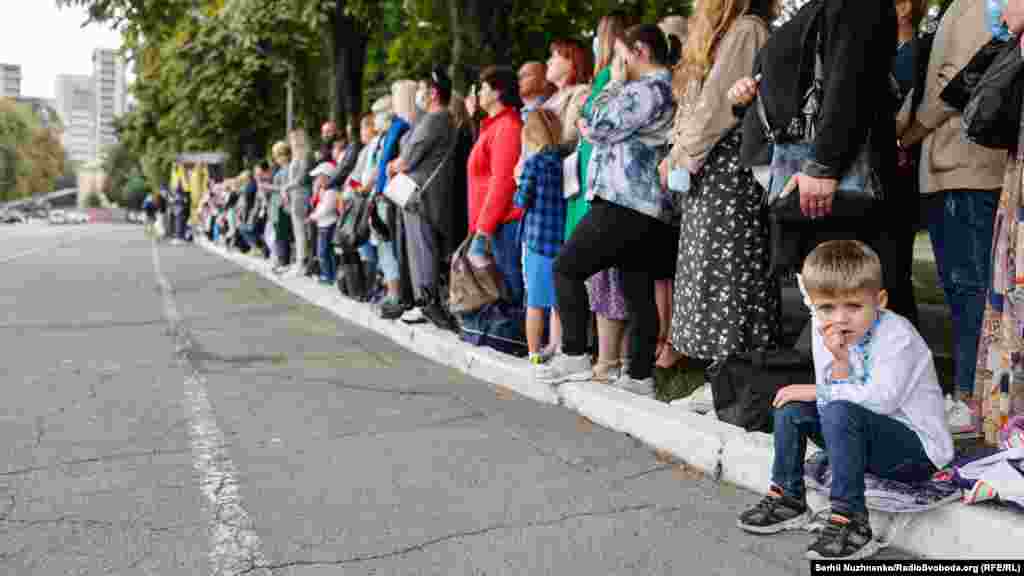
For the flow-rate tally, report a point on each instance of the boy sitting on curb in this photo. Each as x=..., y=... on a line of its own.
x=876, y=407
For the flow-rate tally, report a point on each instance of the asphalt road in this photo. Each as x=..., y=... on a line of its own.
x=167, y=413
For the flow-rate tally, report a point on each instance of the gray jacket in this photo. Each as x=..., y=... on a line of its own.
x=424, y=148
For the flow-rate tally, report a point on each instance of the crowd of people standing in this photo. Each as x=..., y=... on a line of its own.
x=618, y=191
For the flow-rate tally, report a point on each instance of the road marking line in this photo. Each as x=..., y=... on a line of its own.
x=234, y=545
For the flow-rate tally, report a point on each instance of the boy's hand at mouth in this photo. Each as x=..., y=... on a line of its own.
x=838, y=340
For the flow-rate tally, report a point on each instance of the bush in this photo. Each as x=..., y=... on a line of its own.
x=93, y=201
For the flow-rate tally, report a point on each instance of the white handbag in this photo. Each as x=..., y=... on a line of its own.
x=400, y=189
x=571, y=175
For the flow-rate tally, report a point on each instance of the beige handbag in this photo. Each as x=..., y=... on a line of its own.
x=471, y=287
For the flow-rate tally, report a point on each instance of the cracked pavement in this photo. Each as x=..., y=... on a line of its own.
x=339, y=452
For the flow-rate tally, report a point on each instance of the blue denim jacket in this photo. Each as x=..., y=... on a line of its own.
x=630, y=125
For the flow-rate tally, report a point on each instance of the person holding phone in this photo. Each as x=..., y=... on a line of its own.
x=629, y=216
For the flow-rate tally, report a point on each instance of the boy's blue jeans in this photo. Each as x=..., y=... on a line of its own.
x=856, y=440
x=325, y=249
x=960, y=229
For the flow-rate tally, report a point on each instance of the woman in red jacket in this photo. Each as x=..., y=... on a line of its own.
x=492, y=216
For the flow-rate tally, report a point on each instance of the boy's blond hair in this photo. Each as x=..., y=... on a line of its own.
x=840, y=268
x=281, y=148
x=542, y=128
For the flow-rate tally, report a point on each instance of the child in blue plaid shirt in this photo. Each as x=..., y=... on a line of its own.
x=540, y=196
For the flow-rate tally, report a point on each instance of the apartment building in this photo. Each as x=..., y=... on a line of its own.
x=76, y=106
x=10, y=80
x=110, y=96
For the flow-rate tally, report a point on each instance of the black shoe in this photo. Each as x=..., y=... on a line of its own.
x=775, y=513
x=440, y=317
x=844, y=539
x=391, y=310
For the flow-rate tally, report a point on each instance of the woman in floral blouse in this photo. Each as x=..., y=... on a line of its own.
x=629, y=216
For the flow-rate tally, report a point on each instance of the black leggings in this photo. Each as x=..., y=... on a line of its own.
x=611, y=236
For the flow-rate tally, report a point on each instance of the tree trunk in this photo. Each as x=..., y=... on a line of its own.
x=350, y=41
x=457, y=71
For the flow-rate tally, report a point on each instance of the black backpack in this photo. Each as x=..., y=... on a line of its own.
x=744, y=385
x=354, y=224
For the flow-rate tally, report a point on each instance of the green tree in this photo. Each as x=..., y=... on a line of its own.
x=212, y=74
x=31, y=155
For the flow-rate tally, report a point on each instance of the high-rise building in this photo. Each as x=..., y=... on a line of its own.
x=76, y=105
x=10, y=80
x=110, y=93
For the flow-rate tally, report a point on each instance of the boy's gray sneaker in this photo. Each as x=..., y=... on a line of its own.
x=844, y=538
x=775, y=513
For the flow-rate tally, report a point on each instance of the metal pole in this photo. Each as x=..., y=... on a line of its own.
x=291, y=99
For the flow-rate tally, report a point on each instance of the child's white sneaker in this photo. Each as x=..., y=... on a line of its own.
x=961, y=418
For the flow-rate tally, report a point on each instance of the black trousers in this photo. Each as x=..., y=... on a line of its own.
x=611, y=236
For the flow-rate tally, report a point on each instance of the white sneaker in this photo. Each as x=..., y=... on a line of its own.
x=643, y=387
x=563, y=368
x=960, y=418
x=414, y=316
x=701, y=401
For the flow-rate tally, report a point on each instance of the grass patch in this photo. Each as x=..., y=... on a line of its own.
x=927, y=288
x=679, y=381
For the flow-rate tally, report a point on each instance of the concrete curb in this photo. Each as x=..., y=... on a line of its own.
x=721, y=450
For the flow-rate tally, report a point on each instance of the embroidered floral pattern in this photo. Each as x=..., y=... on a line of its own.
x=860, y=365
x=999, y=379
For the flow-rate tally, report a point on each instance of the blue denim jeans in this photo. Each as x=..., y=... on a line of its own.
x=254, y=241
x=508, y=257
x=856, y=440
x=961, y=236
x=325, y=250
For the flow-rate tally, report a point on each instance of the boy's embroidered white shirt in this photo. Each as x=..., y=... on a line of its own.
x=892, y=373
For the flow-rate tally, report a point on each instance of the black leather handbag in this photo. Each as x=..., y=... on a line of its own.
x=992, y=115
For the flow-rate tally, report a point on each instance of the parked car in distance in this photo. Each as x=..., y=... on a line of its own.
x=12, y=218
x=77, y=218
x=57, y=217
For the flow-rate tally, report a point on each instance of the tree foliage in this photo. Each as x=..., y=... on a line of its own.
x=212, y=74
x=31, y=155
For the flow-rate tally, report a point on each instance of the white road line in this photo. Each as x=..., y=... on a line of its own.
x=234, y=545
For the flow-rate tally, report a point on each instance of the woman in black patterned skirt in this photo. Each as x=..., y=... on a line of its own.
x=725, y=301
